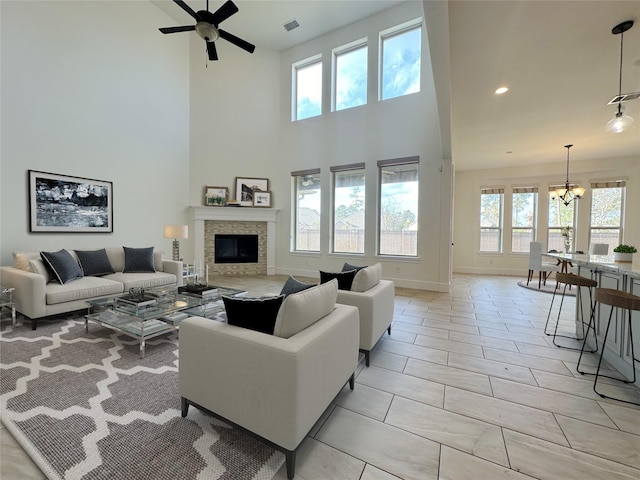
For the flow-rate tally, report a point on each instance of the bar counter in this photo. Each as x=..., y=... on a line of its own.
x=624, y=276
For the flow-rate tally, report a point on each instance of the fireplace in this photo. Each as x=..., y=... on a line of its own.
x=236, y=248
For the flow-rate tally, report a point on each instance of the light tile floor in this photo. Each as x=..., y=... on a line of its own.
x=467, y=387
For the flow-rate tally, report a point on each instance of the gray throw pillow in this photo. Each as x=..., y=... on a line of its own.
x=138, y=260
x=62, y=266
x=257, y=314
x=94, y=262
x=294, y=286
x=348, y=267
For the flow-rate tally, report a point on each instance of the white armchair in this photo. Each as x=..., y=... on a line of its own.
x=375, y=305
x=275, y=387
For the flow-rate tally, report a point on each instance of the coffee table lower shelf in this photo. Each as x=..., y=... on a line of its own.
x=143, y=330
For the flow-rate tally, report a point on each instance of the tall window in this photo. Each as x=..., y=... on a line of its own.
x=561, y=224
x=306, y=215
x=398, y=221
x=400, y=49
x=491, y=209
x=524, y=206
x=348, y=208
x=607, y=213
x=307, y=91
x=350, y=75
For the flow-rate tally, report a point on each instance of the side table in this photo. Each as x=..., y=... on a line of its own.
x=6, y=300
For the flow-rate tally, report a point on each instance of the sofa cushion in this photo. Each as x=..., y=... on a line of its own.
x=21, y=260
x=37, y=266
x=301, y=310
x=94, y=262
x=62, y=266
x=257, y=314
x=137, y=260
x=142, y=280
x=81, y=289
x=294, y=286
x=367, y=278
x=345, y=279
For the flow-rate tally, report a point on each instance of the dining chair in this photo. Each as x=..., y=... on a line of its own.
x=599, y=249
x=536, y=264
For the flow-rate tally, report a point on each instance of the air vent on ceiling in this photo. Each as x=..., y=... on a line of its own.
x=624, y=97
x=291, y=24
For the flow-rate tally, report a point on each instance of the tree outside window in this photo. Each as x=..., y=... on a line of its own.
x=348, y=208
x=491, y=208
x=607, y=213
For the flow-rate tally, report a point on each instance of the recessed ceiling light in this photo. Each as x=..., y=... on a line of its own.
x=502, y=90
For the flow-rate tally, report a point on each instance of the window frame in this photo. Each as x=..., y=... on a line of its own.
x=381, y=164
x=621, y=184
x=534, y=217
x=295, y=210
x=573, y=228
x=392, y=32
x=295, y=67
x=500, y=227
x=353, y=167
x=343, y=50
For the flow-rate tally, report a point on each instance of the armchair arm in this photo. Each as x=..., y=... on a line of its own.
x=274, y=387
x=175, y=267
x=376, y=310
x=29, y=295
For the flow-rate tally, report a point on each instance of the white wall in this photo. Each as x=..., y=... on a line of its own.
x=466, y=256
x=400, y=127
x=93, y=89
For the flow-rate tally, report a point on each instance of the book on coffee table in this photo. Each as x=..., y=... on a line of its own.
x=200, y=290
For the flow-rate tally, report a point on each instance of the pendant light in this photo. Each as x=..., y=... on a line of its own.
x=568, y=193
x=620, y=122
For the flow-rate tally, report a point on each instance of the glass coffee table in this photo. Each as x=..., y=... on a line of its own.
x=156, y=311
x=6, y=300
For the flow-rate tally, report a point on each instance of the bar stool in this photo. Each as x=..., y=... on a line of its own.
x=569, y=279
x=615, y=299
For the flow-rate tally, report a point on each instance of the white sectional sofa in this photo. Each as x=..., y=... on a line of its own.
x=275, y=386
x=37, y=295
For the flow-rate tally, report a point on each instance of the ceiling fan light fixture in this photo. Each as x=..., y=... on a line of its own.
x=207, y=32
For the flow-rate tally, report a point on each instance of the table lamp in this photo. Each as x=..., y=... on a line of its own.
x=176, y=232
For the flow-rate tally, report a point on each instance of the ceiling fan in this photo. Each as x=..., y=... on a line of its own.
x=207, y=27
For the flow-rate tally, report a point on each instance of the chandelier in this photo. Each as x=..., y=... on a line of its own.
x=621, y=121
x=569, y=192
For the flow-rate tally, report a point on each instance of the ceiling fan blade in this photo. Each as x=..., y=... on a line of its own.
x=224, y=12
x=186, y=28
x=187, y=9
x=211, y=50
x=238, y=42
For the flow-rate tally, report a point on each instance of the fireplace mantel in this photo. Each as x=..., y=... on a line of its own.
x=238, y=214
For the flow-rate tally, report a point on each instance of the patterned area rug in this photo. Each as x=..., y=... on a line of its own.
x=86, y=406
x=548, y=288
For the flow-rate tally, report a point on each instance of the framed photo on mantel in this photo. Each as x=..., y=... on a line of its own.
x=261, y=199
x=63, y=203
x=216, y=196
x=246, y=187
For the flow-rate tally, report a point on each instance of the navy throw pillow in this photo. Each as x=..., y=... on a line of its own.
x=348, y=267
x=345, y=279
x=257, y=314
x=62, y=266
x=294, y=286
x=138, y=260
x=94, y=262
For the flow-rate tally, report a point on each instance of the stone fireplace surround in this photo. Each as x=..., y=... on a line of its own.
x=243, y=216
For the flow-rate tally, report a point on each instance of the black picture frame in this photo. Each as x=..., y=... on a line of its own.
x=65, y=203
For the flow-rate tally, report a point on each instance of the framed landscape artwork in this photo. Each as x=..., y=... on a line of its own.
x=261, y=199
x=63, y=203
x=216, y=196
x=245, y=188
